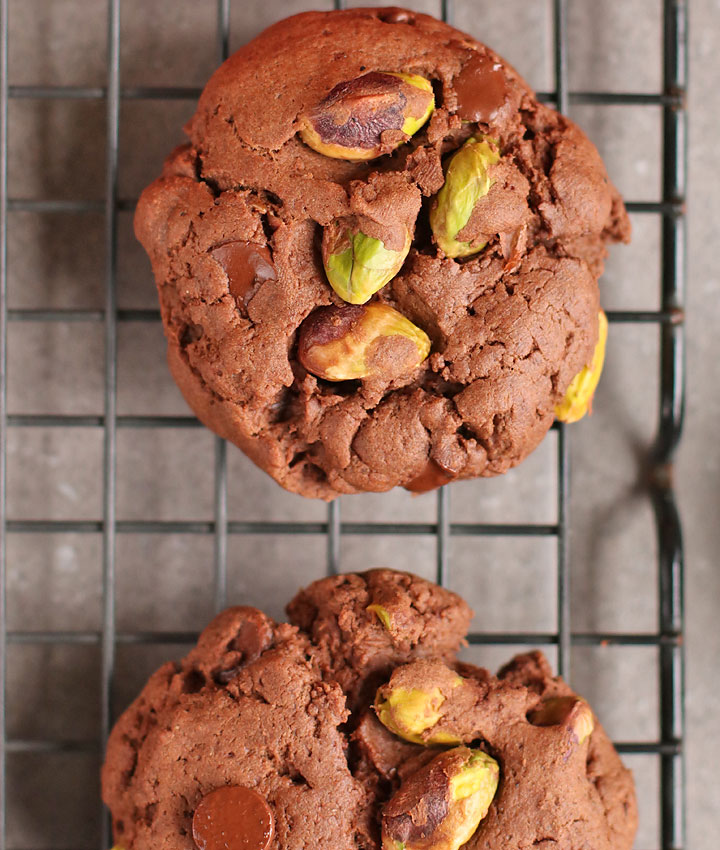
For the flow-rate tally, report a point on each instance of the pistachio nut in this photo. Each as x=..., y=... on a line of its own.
x=411, y=712
x=467, y=182
x=440, y=806
x=349, y=123
x=382, y=614
x=357, y=265
x=570, y=712
x=579, y=395
x=369, y=341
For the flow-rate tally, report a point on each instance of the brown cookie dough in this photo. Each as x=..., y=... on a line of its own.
x=363, y=625
x=250, y=739
x=233, y=228
x=247, y=707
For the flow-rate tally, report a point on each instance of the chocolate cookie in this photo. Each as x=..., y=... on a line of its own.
x=377, y=257
x=250, y=744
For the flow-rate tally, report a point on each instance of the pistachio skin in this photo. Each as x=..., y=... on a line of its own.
x=467, y=182
x=440, y=806
x=357, y=266
x=341, y=343
x=349, y=122
x=579, y=395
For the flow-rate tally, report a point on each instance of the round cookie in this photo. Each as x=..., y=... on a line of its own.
x=251, y=735
x=233, y=228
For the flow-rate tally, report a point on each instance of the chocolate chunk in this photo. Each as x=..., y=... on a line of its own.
x=252, y=639
x=247, y=265
x=384, y=750
x=481, y=88
x=394, y=15
x=233, y=818
x=432, y=476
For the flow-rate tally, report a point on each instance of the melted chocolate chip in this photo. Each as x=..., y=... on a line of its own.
x=222, y=677
x=247, y=265
x=254, y=635
x=481, y=89
x=252, y=639
x=394, y=15
x=233, y=818
x=432, y=476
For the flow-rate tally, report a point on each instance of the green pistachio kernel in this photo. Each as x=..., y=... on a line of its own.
x=579, y=395
x=357, y=265
x=409, y=712
x=467, y=181
x=382, y=614
x=413, y=123
x=572, y=713
x=479, y=774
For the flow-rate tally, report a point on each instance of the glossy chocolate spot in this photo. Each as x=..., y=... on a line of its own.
x=222, y=677
x=481, y=89
x=233, y=818
x=252, y=639
x=247, y=265
x=432, y=476
x=394, y=15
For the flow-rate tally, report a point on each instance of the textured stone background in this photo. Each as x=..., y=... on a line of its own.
x=57, y=150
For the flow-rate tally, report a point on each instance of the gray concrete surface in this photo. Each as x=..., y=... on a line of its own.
x=164, y=582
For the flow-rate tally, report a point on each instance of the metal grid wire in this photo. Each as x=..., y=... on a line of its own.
x=668, y=636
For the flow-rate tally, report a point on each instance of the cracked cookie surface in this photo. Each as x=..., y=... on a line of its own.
x=288, y=712
x=246, y=707
x=233, y=229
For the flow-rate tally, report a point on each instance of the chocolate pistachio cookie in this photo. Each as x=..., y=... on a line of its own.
x=358, y=728
x=377, y=257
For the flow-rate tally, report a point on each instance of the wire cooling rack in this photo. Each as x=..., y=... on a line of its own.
x=667, y=638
